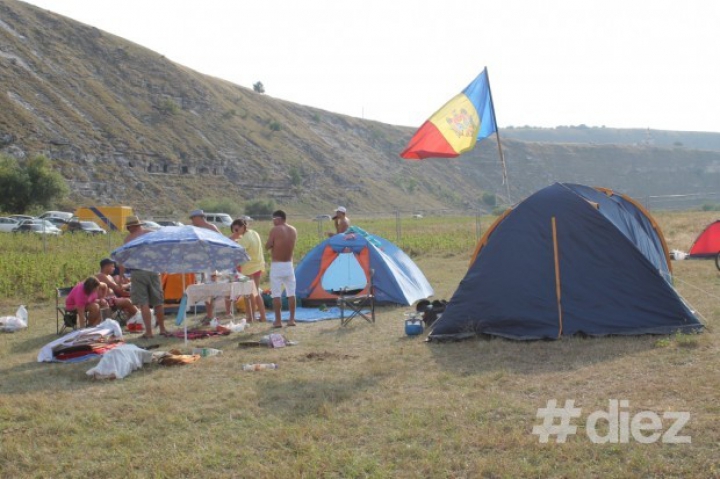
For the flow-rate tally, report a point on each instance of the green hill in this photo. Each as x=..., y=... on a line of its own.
x=123, y=124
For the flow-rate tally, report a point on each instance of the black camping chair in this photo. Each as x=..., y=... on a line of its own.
x=69, y=318
x=357, y=303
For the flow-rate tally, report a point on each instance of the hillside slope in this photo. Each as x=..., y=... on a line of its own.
x=125, y=125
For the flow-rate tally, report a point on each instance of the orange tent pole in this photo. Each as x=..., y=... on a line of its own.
x=558, y=289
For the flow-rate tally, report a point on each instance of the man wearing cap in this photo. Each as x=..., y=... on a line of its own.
x=117, y=297
x=342, y=222
x=197, y=217
x=281, y=243
x=146, y=291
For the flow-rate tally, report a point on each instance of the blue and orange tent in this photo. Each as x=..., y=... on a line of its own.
x=352, y=256
x=569, y=259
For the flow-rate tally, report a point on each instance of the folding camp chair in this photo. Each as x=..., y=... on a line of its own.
x=356, y=305
x=69, y=318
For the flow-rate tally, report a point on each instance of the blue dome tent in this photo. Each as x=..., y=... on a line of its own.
x=347, y=259
x=569, y=259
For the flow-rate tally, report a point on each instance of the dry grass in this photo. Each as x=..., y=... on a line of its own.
x=368, y=401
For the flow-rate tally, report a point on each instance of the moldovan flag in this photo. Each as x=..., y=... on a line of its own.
x=457, y=126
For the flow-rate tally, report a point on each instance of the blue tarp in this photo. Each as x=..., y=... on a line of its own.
x=612, y=273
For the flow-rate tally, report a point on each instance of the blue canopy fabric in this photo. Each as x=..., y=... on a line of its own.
x=181, y=249
x=568, y=260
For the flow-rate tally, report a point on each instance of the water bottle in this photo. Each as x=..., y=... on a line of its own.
x=205, y=352
x=259, y=366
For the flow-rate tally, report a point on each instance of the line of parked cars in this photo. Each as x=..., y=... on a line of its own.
x=58, y=222
x=49, y=223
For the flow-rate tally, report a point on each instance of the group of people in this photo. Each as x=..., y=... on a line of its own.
x=96, y=295
x=99, y=295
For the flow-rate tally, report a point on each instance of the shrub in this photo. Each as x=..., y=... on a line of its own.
x=220, y=205
x=260, y=208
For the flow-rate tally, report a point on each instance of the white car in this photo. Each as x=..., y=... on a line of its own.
x=38, y=226
x=8, y=224
x=151, y=225
x=63, y=215
x=219, y=219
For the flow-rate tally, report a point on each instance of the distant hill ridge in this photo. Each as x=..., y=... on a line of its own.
x=614, y=136
x=123, y=124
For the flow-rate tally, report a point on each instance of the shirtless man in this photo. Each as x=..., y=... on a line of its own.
x=342, y=222
x=146, y=290
x=198, y=219
x=281, y=244
x=117, y=296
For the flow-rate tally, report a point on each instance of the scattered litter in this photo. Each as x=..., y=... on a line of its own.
x=205, y=352
x=259, y=366
x=678, y=255
x=276, y=340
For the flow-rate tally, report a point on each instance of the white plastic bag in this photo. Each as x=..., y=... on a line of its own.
x=119, y=362
x=137, y=319
x=10, y=324
x=236, y=327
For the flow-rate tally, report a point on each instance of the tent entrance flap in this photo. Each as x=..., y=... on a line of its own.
x=344, y=274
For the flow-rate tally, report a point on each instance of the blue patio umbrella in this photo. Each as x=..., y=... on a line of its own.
x=181, y=249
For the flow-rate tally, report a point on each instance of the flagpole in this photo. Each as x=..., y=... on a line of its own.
x=497, y=133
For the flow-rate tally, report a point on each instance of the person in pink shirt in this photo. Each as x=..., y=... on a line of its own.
x=84, y=299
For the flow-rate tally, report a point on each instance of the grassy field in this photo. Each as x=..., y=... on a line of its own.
x=366, y=400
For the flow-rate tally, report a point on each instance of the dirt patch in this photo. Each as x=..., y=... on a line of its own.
x=326, y=355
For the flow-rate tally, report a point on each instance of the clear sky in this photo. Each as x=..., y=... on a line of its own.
x=617, y=63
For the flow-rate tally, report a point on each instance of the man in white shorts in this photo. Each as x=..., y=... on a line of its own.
x=281, y=244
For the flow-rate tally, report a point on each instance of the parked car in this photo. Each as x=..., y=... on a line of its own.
x=87, y=227
x=170, y=223
x=8, y=224
x=219, y=219
x=63, y=215
x=21, y=218
x=59, y=222
x=322, y=218
x=151, y=225
x=38, y=226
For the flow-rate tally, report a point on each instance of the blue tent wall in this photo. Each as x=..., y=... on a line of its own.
x=613, y=273
x=397, y=278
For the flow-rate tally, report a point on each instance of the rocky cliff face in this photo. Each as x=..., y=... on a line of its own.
x=125, y=125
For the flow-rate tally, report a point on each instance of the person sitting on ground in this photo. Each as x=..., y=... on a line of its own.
x=342, y=222
x=117, y=297
x=84, y=299
x=253, y=269
x=197, y=217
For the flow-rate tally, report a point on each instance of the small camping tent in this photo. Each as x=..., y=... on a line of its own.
x=707, y=244
x=346, y=259
x=569, y=259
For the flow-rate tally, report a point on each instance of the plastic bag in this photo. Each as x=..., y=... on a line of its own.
x=236, y=327
x=10, y=324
